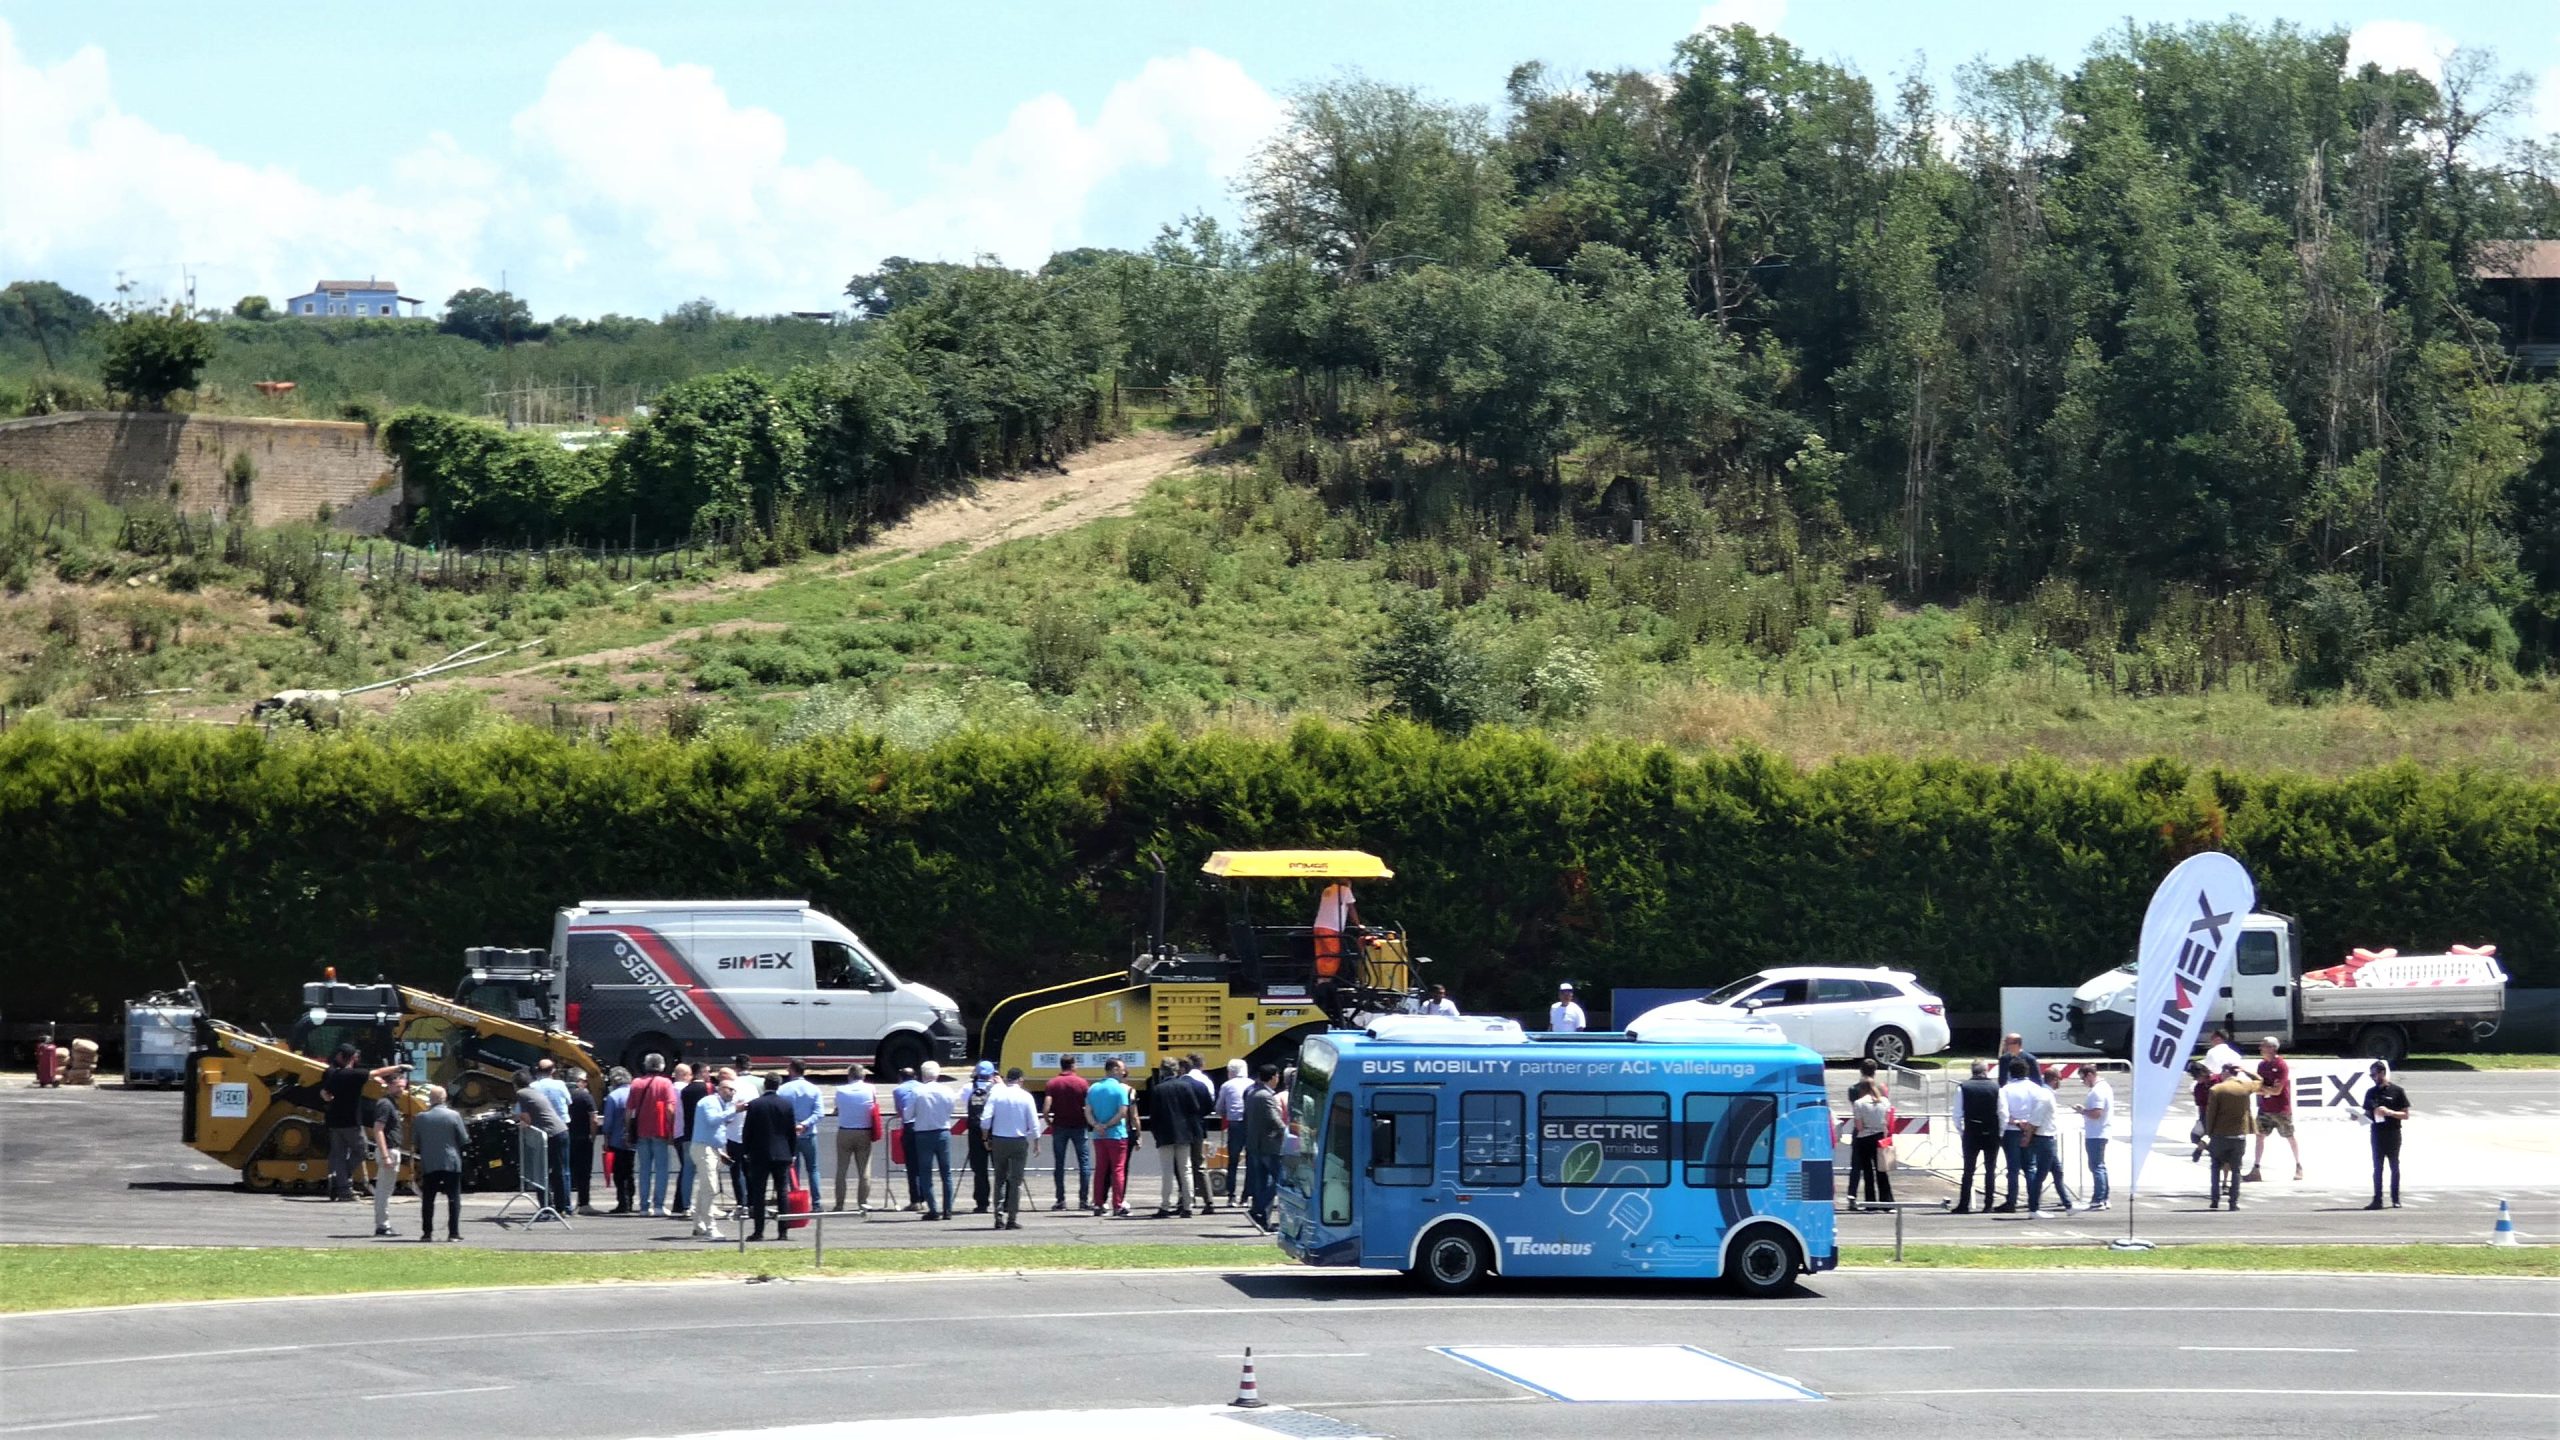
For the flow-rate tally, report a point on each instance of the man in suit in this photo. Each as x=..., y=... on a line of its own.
x=436, y=1137
x=770, y=1140
x=1978, y=1117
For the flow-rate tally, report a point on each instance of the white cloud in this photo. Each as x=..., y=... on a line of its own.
x=2400, y=45
x=632, y=182
x=1764, y=16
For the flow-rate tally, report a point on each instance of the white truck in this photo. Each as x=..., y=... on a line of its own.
x=770, y=980
x=2374, y=1004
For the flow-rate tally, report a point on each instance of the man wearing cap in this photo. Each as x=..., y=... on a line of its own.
x=1564, y=1016
x=982, y=1085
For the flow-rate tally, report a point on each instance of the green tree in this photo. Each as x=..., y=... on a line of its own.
x=51, y=316
x=1368, y=179
x=151, y=355
x=254, y=307
x=492, y=317
x=1431, y=673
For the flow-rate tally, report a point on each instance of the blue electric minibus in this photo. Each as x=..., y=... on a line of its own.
x=1457, y=1148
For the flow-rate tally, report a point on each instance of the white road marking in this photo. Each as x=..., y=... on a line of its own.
x=837, y=1369
x=2206, y=1390
x=1857, y=1349
x=2269, y=1349
x=423, y=1394
x=76, y=1424
x=1451, y=1400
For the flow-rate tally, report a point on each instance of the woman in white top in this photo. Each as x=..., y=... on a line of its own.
x=1870, y=1121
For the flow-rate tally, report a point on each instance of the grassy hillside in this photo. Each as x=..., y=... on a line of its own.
x=1223, y=597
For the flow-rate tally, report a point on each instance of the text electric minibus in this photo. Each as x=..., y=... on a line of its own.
x=1455, y=1148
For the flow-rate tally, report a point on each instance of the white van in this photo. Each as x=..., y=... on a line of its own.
x=771, y=980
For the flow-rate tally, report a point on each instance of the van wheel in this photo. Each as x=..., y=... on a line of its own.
x=1762, y=1262
x=644, y=1046
x=1888, y=1046
x=2383, y=1041
x=1452, y=1260
x=898, y=1052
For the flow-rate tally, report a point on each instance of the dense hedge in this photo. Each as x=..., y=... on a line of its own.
x=992, y=863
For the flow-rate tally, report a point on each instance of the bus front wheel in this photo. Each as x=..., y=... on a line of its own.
x=1453, y=1259
x=1762, y=1262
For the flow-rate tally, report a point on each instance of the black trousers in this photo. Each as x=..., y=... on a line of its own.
x=450, y=1182
x=623, y=1179
x=761, y=1172
x=1865, y=1159
x=1985, y=1151
x=582, y=1166
x=979, y=1189
x=2386, y=1147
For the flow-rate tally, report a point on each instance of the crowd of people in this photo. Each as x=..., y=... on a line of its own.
x=2008, y=1118
x=697, y=1143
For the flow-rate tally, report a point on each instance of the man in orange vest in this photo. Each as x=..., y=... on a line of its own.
x=1336, y=913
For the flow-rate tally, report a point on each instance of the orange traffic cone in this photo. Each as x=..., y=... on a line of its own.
x=1247, y=1397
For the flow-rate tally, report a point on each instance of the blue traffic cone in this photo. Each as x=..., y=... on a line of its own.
x=2505, y=1234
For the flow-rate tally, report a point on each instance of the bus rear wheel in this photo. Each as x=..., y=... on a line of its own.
x=1453, y=1259
x=1762, y=1262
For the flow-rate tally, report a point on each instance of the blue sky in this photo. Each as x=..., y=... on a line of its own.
x=627, y=158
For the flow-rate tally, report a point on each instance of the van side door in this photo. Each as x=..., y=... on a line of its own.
x=849, y=1006
x=758, y=961
x=2261, y=988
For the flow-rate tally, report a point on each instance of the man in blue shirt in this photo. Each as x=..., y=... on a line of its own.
x=806, y=1100
x=616, y=1124
x=1109, y=1107
x=904, y=1102
x=930, y=1115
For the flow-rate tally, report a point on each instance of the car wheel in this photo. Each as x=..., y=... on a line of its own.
x=1762, y=1262
x=1889, y=1046
x=897, y=1053
x=1452, y=1260
x=2385, y=1042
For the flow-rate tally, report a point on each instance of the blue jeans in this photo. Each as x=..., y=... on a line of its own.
x=1081, y=1142
x=2013, y=1147
x=2098, y=1189
x=931, y=1152
x=2044, y=1162
x=808, y=1147
x=657, y=1169
x=684, y=1179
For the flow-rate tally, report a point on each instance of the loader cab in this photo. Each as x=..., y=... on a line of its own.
x=366, y=1016
x=1370, y=969
x=517, y=984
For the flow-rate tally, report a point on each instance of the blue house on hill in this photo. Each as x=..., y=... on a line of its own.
x=351, y=299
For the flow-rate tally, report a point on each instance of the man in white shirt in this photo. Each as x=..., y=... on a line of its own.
x=930, y=1110
x=1196, y=1070
x=1440, y=1003
x=1012, y=1119
x=857, y=1126
x=2028, y=1107
x=2096, y=1109
x=2219, y=1054
x=1231, y=1097
x=1564, y=1016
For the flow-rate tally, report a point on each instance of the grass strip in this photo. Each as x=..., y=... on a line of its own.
x=54, y=1277
x=2461, y=1060
x=2362, y=1259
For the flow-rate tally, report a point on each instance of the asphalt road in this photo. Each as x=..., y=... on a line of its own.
x=1908, y=1354
x=105, y=1165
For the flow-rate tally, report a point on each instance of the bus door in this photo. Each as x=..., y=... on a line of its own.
x=1400, y=1170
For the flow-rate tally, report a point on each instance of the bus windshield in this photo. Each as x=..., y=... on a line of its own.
x=1315, y=1083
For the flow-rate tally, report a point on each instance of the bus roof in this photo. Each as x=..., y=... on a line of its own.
x=1598, y=1045
x=1297, y=865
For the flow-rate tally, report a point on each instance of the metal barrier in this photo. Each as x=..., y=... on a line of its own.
x=1899, y=1206
x=533, y=1180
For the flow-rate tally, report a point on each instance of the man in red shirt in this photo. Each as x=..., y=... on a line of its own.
x=1062, y=1105
x=656, y=1126
x=2275, y=1106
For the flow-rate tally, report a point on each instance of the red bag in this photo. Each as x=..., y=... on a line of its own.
x=898, y=1146
x=795, y=1201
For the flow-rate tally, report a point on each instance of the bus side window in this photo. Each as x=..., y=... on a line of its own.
x=1727, y=1141
x=1335, y=1181
x=1493, y=1149
x=1402, y=1127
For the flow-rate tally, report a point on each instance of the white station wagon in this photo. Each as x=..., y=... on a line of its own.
x=1840, y=1012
